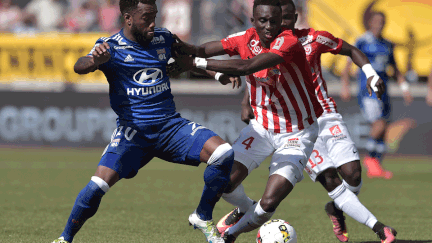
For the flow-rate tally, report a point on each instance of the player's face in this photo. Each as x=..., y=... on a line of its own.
x=376, y=24
x=267, y=22
x=289, y=17
x=143, y=22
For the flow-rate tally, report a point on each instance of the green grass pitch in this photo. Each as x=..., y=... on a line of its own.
x=38, y=188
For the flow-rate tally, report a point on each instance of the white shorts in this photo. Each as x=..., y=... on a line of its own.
x=290, y=150
x=334, y=146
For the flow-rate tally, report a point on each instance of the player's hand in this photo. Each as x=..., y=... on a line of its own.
x=407, y=97
x=345, y=93
x=379, y=87
x=181, y=48
x=235, y=80
x=101, y=54
x=181, y=64
x=247, y=113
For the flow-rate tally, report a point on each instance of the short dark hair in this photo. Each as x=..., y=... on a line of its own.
x=127, y=6
x=287, y=2
x=266, y=2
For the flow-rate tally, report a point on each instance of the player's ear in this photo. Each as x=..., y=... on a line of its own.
x=252, y=20
x=295, y=18
x=128, y=19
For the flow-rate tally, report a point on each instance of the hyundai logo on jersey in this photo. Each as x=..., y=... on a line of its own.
x=146, y=74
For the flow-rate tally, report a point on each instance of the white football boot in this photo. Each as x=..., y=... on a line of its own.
x=60, y=240
x=207, y=227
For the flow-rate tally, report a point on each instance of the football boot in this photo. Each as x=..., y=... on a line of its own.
x=338, y=221
x=207, y=227
x=387, y=234
x=60, y=240
x=229, y=220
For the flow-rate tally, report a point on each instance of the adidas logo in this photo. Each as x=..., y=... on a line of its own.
x=129, y=58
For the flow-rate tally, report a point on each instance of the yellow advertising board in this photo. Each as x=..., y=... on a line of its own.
x=46, y=57
x=408, y=25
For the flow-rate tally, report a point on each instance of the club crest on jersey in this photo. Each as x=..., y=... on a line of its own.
x=148, y=76
x=161, y=54
x=253, y=46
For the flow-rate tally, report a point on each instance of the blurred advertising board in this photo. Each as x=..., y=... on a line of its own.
x=84, y=119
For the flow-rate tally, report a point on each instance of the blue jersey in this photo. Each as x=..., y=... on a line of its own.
x=139, y=88
x=380, y=54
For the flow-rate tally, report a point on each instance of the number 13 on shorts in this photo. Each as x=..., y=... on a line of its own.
x=317, y=158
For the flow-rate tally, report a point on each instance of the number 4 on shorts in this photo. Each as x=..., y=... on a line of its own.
x=247, y=142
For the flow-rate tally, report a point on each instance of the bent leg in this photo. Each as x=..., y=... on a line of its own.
x=88, y=200
x=220, y=157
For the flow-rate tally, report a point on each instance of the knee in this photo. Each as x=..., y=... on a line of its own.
x=222, y=155
x=351, y=173
x=329, y=179
x=269, y=204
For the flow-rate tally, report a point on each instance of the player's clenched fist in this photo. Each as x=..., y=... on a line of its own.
x=101, y=54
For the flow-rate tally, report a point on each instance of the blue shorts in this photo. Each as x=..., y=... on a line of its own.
x=374, y=109
x=132, y=146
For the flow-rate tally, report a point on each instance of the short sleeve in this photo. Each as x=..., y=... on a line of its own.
x=232, y=42
x=328, y=43
x=285, y=46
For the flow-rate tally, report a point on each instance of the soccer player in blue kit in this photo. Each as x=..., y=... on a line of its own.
x=377, y=112
x=134, y=63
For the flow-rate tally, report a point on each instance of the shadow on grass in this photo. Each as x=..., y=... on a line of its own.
x=400, y=241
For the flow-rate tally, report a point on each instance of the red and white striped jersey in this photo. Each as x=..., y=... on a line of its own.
x=315, y=43
x=282, y=97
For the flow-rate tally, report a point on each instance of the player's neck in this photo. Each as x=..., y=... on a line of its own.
x=128, y=34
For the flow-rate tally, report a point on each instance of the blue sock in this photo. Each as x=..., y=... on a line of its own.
x=216, y=178
x=381, y=148
x=371, y=147
x=85, y=207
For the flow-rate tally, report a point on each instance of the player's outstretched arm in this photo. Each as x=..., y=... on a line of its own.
x=236, y=66
x=224, y=79
x=374, y=82
x=89, y=64
x=209, y=49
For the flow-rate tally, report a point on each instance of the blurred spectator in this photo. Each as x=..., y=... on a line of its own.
x=82, y=19
x=48, y=13
x=10, y=15
x=109, y=15
x=27, y=26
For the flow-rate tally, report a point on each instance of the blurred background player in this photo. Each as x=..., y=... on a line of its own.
x=134, y=63
x=334, y=151
x=376, y=111
x=284, y=102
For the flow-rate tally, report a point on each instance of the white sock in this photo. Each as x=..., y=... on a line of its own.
x=348, y=202
x=253, y=219
x=354, y=189
x=239, y=199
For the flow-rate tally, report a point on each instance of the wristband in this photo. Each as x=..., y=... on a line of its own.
x=200, y=63
x=404, y=86
x=218, y=75
x=369, y=70
x=373, y=83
